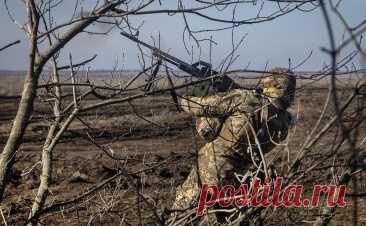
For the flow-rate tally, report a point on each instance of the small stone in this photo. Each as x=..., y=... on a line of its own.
x=79, y=177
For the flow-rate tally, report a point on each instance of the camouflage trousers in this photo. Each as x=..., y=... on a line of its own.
x=216, y=164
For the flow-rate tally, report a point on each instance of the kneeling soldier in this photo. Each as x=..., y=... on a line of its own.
x=238, y=125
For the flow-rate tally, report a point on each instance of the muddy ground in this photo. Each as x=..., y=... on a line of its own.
x=162, y=152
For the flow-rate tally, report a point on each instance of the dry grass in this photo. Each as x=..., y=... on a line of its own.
x=170, y=137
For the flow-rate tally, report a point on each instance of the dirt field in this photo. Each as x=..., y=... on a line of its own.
x=170, y=141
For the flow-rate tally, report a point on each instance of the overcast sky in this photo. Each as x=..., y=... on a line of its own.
x=292, y=36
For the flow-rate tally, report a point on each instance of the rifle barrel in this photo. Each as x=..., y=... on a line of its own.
x=226, y=83
x=169, y=58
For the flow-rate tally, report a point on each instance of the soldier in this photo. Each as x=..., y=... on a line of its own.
x=238, y=125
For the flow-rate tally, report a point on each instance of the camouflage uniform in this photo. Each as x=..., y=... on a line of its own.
x=239, y=122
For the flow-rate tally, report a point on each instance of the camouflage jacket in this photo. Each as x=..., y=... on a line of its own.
x=239, y=118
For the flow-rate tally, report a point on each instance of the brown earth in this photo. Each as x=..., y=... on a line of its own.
x=170, y=142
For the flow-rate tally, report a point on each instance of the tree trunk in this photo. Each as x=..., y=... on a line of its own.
x=46, y=175
x=19, y=125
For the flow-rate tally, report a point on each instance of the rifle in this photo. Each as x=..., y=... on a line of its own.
x=199, y=69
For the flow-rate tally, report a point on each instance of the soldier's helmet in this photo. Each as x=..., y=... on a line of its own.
x=279, y=83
